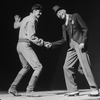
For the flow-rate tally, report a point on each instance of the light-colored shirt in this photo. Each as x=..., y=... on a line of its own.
x=27, y=29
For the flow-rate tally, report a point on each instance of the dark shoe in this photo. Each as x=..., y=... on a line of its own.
x=13, y=92
x=73, y=93
x=94, y=93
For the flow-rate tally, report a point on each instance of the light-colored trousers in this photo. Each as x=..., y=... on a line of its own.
x=28, y=58
x=74, y=53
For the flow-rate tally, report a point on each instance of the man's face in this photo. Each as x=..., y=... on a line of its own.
x=37, y=13
x=61, y=13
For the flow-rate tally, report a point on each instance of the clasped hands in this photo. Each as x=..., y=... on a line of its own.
x=40, y=42
x=46, y=44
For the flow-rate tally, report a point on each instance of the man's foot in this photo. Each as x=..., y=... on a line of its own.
x=94, y=93
x=72, y=93
x=13, y=92
x=29, y=93
x=32, y=94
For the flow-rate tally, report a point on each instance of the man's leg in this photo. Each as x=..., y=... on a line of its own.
x=33, y=61
x=19, y=76
x=85, y=63
x=33, y=80
x=70, y=60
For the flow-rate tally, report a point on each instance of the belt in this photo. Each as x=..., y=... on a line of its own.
x=23, y=40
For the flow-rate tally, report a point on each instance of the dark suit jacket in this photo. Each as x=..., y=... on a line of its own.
x=76, y=30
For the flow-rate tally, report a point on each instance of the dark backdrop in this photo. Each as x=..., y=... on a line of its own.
x=49, y=28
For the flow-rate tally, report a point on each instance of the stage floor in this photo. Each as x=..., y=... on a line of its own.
x=48, y=95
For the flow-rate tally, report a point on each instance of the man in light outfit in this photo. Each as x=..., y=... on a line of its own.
x=28, y=57
x=75, y=34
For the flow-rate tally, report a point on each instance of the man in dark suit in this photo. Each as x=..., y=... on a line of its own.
x=75, y=33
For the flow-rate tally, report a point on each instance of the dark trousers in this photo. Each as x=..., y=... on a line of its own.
x=74, y=53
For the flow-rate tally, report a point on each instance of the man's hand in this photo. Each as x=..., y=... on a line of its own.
x=37, y=41
x=40, y=42
x=81, y=46
x=47, y=44
x=17, y=18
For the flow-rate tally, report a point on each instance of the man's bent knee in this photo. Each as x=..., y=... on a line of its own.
x=37, y=70
x=24, y=70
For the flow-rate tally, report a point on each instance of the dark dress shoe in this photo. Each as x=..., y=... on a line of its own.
x=93, y=95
